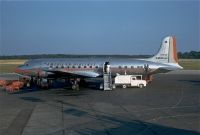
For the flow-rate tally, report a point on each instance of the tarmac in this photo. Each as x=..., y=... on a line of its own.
x=170, y=105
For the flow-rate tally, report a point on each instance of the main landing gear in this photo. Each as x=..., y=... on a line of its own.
x=75, y=83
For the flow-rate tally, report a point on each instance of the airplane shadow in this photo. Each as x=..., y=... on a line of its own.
x=135, y=127
x=68, y=92
x=111, y=125
x=32, y=99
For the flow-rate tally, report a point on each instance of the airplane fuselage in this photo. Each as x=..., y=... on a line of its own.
x=76, y=68
x=120, y=66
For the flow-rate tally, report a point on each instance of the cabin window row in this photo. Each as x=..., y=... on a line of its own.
x=130, y=67
x=74, y=66
x=68, y=64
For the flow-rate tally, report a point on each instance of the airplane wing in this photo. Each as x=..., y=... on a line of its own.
x=12, y=76
x=84, y=73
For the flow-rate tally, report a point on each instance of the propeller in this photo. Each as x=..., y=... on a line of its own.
x=146, y=68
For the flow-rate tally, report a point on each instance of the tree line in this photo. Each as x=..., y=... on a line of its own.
x=189, y=55
x=185, y=55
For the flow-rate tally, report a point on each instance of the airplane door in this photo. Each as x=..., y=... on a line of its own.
x=106, y=67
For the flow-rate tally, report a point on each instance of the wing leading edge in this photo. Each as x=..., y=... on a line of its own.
x=80, y=73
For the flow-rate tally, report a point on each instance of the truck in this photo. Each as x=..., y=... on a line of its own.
x=130, y=81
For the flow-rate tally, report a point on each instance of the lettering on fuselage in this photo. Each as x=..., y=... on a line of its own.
x=161, y=57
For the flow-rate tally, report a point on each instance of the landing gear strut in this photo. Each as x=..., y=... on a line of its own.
x=75, y=84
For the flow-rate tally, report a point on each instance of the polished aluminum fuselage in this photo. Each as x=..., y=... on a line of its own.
x=118, y=65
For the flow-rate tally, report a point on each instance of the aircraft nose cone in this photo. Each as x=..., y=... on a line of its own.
x=19, y=70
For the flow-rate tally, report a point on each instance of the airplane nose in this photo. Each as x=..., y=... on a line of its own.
x=18, y=70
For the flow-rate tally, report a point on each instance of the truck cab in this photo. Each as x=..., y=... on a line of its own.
x=138, y=82
x=130, y=81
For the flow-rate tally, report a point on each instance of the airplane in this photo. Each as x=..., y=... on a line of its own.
x=79, y=68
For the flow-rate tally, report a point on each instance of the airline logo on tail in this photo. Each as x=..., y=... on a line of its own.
x=167, y=52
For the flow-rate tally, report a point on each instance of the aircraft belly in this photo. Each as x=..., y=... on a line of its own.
x=130, y=71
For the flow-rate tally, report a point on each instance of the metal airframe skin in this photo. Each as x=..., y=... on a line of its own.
x=120, y=66
x=164, y=61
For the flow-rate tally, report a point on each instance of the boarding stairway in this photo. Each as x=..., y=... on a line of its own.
x=107, y=78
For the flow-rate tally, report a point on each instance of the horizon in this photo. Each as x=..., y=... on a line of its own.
x=81, y=54
x=97, y=27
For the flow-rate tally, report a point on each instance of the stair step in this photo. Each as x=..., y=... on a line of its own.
x=107, y=81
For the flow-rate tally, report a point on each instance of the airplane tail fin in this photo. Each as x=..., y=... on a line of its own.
x=167, y=52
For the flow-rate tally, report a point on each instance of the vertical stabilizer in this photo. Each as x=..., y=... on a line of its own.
x=167, y=52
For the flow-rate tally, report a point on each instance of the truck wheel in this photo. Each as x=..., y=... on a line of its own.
x=124, y=86
x=141, y=85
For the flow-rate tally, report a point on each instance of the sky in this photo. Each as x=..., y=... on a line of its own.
x=97, y=27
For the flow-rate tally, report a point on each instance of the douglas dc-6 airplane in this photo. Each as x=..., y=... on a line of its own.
x=76, y=68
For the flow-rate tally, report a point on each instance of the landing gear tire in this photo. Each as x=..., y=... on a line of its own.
x=124, y=86
x=101, y=86
x=75, y=84
x=141, y=85
x=75, y=87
